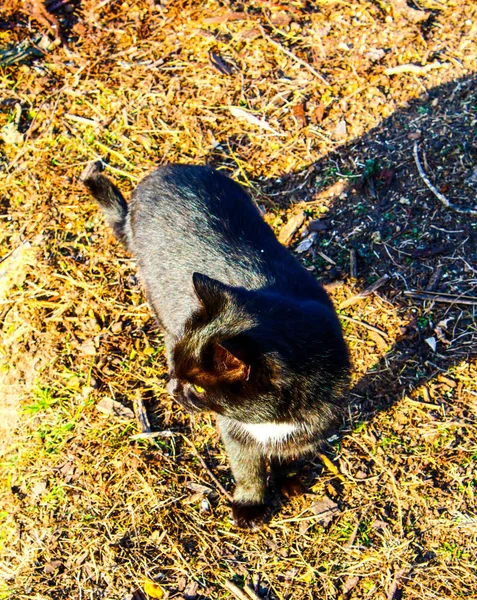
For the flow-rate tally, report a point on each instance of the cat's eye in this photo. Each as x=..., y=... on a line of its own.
x=198, y=389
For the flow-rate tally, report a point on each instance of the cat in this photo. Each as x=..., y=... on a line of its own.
x=250, y=334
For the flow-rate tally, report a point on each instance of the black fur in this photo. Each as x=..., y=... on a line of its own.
x=250, y=334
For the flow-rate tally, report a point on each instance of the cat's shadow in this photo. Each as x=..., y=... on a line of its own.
x=385, y=213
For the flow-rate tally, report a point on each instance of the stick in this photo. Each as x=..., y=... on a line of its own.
x=364, y=324
x=248, y=590
x=235, y=590
x=142, y=419
x=414, y=69
x=353, y=264
x=365, y=293
x=211, y=475
x=440, y=298
x=151, y=435
x=392, y=592
x=141, y=414
x=437, y=194
x=294, y=56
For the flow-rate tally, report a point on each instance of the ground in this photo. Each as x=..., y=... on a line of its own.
x=294, y=100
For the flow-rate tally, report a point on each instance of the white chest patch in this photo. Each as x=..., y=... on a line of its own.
x=270, y=433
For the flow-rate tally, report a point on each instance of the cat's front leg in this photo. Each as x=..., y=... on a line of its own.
x=249, y=470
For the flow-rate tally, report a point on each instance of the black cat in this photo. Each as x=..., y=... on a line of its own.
x=250, y=334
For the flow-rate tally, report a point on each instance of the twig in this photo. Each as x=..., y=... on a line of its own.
x=353, y=264
x=440, y=298
x=294, y=56
x=395, y=584
x=235, y=590
x=414, y=69
x=365, y=293
x=325, y=257
x=437, y=194
x=364, y=324
x=141, y=414
x=142, y=419
x=330, y=466
x=248, y=590
x=151, y=435
x=211, y=475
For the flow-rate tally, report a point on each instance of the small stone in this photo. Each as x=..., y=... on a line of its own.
x=117, y=327
x=375, y=54
x=415, y=135
x=191, y=591
x=376, y=237
x=88, y=348
x=431, y=342
x=341, y=130
x=318, y=225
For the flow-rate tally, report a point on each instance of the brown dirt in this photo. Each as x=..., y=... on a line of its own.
x=86, y=512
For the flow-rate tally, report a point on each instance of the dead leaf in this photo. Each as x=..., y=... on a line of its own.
x=199, y=489
x=281, y=19
x=349, y=584
x=326, y=510
x=220, y=64
x=11, y=136
x=117, y=327
x=375, y=54
x=377, y=339
x=231, y=16
x=289, y=230
x=153, y=589
x=334, y=190
x=205, y=506
x=108, y=406
x=306, y=244
x=39, y=488
x=298, y=111
x=88, y=348
x=341, y=130
x=304, y=526
x=318, y=113
x=332, y=468
x=191, y=591
x=52, y=566
x=239, y=113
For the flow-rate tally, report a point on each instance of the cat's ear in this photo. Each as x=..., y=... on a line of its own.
x=228, y=363
x=211, y=293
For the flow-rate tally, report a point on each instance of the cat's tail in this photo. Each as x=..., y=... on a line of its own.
x=109, y=198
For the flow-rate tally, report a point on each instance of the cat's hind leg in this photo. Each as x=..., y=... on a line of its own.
x=286, y=478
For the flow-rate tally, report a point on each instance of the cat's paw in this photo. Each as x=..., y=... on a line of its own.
x=249, y=515
x=291, y=487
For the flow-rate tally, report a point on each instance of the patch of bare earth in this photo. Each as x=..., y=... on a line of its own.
x=315, y=107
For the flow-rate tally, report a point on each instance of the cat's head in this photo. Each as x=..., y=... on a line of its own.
x=256, y=356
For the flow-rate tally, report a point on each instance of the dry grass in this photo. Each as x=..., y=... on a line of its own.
x=88, y=513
